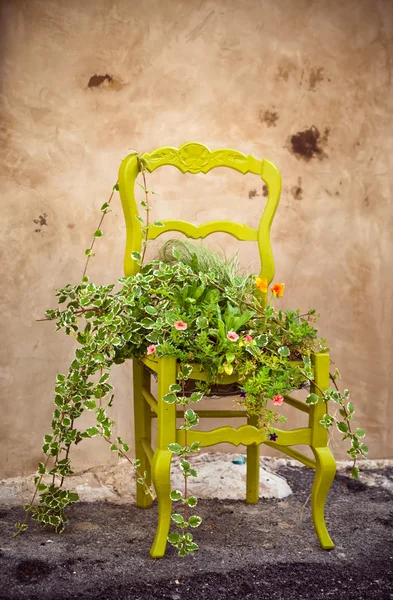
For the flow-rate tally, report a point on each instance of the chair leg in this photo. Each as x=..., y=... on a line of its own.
x=325, y=463
x=252, y=469
x=161, y=463
x=142, y=426
x=161, y=473
x=324, y=476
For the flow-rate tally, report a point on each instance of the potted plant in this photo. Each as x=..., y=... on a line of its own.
x=194, y=305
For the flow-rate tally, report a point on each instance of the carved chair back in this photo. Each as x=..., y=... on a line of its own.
x=196, y=158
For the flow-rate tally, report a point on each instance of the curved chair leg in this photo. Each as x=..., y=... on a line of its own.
x=161, y=475
x=324, y=476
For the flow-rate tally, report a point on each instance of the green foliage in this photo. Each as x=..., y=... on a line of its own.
x=312, y=399
x=226, y=270
x=194, y=305
x=113, y=326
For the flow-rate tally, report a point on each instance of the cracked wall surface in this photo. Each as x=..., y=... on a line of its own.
x=307, y=84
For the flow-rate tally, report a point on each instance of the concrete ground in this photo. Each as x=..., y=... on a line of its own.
x=268, y=550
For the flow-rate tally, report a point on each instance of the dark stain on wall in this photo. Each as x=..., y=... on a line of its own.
x=309, y=143
x=253, y=193
x=97, y=80
x=41, y=221
x=269, y=117
x=296, y=190
x=316, y=76
x=367, y=201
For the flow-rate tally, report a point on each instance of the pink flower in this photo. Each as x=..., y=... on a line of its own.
x=180, y=325
x=278, y=400
x=151, y=349
x=248, y=338
x=231, y=335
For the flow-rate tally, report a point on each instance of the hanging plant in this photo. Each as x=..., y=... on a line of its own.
x=198, y=307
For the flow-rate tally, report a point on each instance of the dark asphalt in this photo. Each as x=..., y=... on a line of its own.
x=267, y=551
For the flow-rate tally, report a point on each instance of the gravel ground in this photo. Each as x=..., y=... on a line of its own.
x=265, y=551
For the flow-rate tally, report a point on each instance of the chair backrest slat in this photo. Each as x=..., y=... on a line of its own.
x=240, y=232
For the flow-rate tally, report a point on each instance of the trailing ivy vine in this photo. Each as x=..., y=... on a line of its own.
x=192, y=311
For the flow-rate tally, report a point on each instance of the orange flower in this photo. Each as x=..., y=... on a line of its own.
x=261, y=284
x=278, y=290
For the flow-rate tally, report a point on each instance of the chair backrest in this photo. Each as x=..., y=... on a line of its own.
x=196, y=158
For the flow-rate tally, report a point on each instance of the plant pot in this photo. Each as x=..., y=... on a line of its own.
x=218, y=389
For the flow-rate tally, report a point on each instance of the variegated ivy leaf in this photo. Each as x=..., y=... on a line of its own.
x=312, y=399
x=170, y=398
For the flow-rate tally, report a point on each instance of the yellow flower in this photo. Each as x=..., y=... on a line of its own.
x=278, y=290
x=261, y=283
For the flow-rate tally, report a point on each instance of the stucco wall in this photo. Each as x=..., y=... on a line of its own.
x=305, y=83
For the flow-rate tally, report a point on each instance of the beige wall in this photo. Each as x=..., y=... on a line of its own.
x=264, y=77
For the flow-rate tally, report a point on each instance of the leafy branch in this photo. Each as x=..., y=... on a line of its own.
x=183, y=540
x=105, y=208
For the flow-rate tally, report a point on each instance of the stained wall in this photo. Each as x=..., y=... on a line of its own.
x=307, y=84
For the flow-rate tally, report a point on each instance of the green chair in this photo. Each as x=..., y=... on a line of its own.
x=156, y=460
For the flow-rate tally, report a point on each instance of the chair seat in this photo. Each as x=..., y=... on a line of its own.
x=198, y=373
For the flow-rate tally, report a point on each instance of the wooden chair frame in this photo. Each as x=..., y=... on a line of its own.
x=196, y=158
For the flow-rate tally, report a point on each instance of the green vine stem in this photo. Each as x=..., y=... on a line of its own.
x=105, y=208
x=147, y=207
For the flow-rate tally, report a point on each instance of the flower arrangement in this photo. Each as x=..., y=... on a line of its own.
x=198, y=307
